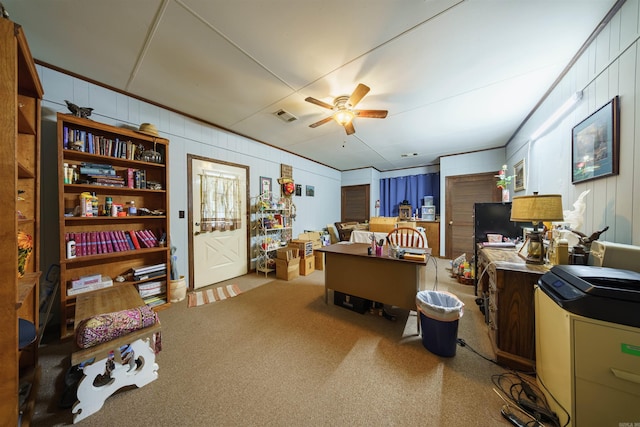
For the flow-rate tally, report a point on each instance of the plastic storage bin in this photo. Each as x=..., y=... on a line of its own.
x=439, y=316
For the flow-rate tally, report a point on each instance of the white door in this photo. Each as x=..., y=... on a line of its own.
x=218, y=221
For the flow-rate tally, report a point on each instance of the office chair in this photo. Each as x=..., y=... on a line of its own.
x=407, y=237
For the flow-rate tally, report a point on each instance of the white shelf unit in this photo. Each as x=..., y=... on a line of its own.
x=272, y=226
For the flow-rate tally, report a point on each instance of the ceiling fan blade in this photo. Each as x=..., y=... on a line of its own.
x=321, y=122
x=358, y=94
x=318, y=102
x=349, y=128
x=374, y=114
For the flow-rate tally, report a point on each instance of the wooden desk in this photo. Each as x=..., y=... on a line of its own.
x=507, y=286
x=123, y=373
x=349, y=269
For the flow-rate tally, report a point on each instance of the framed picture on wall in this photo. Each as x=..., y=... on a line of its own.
x=265, y=188
x=310, y=190
x=595, y=144
x=519, y=174
x=298, y=190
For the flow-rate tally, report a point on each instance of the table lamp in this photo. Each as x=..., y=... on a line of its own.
x=536, y=208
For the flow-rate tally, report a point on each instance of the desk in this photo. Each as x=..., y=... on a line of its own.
x=349, y=269
x=90, y=397
x=507, y=286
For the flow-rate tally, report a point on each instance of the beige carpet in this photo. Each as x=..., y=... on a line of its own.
x=277, y=355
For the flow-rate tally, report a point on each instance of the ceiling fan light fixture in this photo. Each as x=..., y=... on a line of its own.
x=343, y=117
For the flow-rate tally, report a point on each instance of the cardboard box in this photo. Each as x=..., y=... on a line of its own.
x=319, y=258
x=305, y=247
x=287, y=253
x=307, y=265
x=382, y=224
x=287, y=270
x=314, y=236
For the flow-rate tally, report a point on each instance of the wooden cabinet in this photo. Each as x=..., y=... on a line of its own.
x=20, y=95
x=111, y=166
x=432, y=231
x=272, y=226
x=507, y=285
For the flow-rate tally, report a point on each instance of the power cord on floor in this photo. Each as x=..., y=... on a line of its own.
x=527, y=398
x=463, y=343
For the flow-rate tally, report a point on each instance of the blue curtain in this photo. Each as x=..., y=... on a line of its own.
x=412, y=188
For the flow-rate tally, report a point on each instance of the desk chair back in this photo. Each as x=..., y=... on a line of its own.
x=406, y=237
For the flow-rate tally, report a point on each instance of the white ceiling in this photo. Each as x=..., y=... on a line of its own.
x=455, y=75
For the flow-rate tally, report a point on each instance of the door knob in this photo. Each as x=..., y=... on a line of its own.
x=450, y=222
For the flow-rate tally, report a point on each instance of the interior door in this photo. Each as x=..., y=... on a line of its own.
x=217, y=252
x=355, y=203
x=463, y=192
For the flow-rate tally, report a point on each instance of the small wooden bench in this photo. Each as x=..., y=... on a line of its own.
x=91, y=397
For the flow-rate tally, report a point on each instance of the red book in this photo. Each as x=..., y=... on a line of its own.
x=106, y=246
x=114, y=241
x=93, y=247
x=142, y=239
x=80, y=244
x=151, y=238
x=125, y=242
x=134, y=239
x=121, y=241
x=98, y=242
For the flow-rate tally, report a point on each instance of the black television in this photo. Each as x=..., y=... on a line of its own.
x=493, y=218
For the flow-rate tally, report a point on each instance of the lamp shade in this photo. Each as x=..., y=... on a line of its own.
x=537, y=208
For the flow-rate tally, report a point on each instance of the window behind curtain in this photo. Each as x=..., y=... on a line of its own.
x=220, y=208
x=413, y=188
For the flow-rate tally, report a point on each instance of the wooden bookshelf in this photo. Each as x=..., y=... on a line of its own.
x=20, y=96
x=133, y=168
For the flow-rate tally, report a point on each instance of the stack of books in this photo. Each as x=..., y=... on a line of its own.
x=146, y=272
x=150, y=289
x=88, y=283
x=100, y=174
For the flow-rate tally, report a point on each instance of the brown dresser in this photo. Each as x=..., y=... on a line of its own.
x=507, y=283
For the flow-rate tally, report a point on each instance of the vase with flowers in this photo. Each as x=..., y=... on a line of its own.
x=25, y=247
x=503, y=182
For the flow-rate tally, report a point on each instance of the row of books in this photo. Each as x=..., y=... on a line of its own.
x=102, y=242
x=149, y=272
x=86, y=141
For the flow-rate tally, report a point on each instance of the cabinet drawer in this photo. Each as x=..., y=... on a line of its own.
x=608, y=355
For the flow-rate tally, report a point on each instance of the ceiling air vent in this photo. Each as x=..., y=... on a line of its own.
x=285, y=116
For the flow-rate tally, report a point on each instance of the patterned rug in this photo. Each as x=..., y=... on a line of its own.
x=213, y=295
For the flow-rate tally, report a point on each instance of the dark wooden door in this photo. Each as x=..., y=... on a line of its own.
x=463, y=192
x=355, y=204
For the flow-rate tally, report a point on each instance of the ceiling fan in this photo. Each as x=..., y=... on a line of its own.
x=344, y=109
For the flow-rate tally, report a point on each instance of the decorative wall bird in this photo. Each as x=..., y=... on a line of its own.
x=83, y=112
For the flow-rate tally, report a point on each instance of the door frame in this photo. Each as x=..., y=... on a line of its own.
x=450, y=182
x=247, y=213
x=366, y=188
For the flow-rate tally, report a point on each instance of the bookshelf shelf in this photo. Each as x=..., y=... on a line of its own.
x=105, y=244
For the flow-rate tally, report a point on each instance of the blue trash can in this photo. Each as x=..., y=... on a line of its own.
x=439, y=316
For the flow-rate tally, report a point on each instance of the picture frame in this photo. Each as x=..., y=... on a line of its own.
x=519, y=176
x=265, y=188
x=310, y=191
x=595, y=144
x=298, y=190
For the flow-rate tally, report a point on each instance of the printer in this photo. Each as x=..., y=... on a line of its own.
x=602, y=293
x=587, y=332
